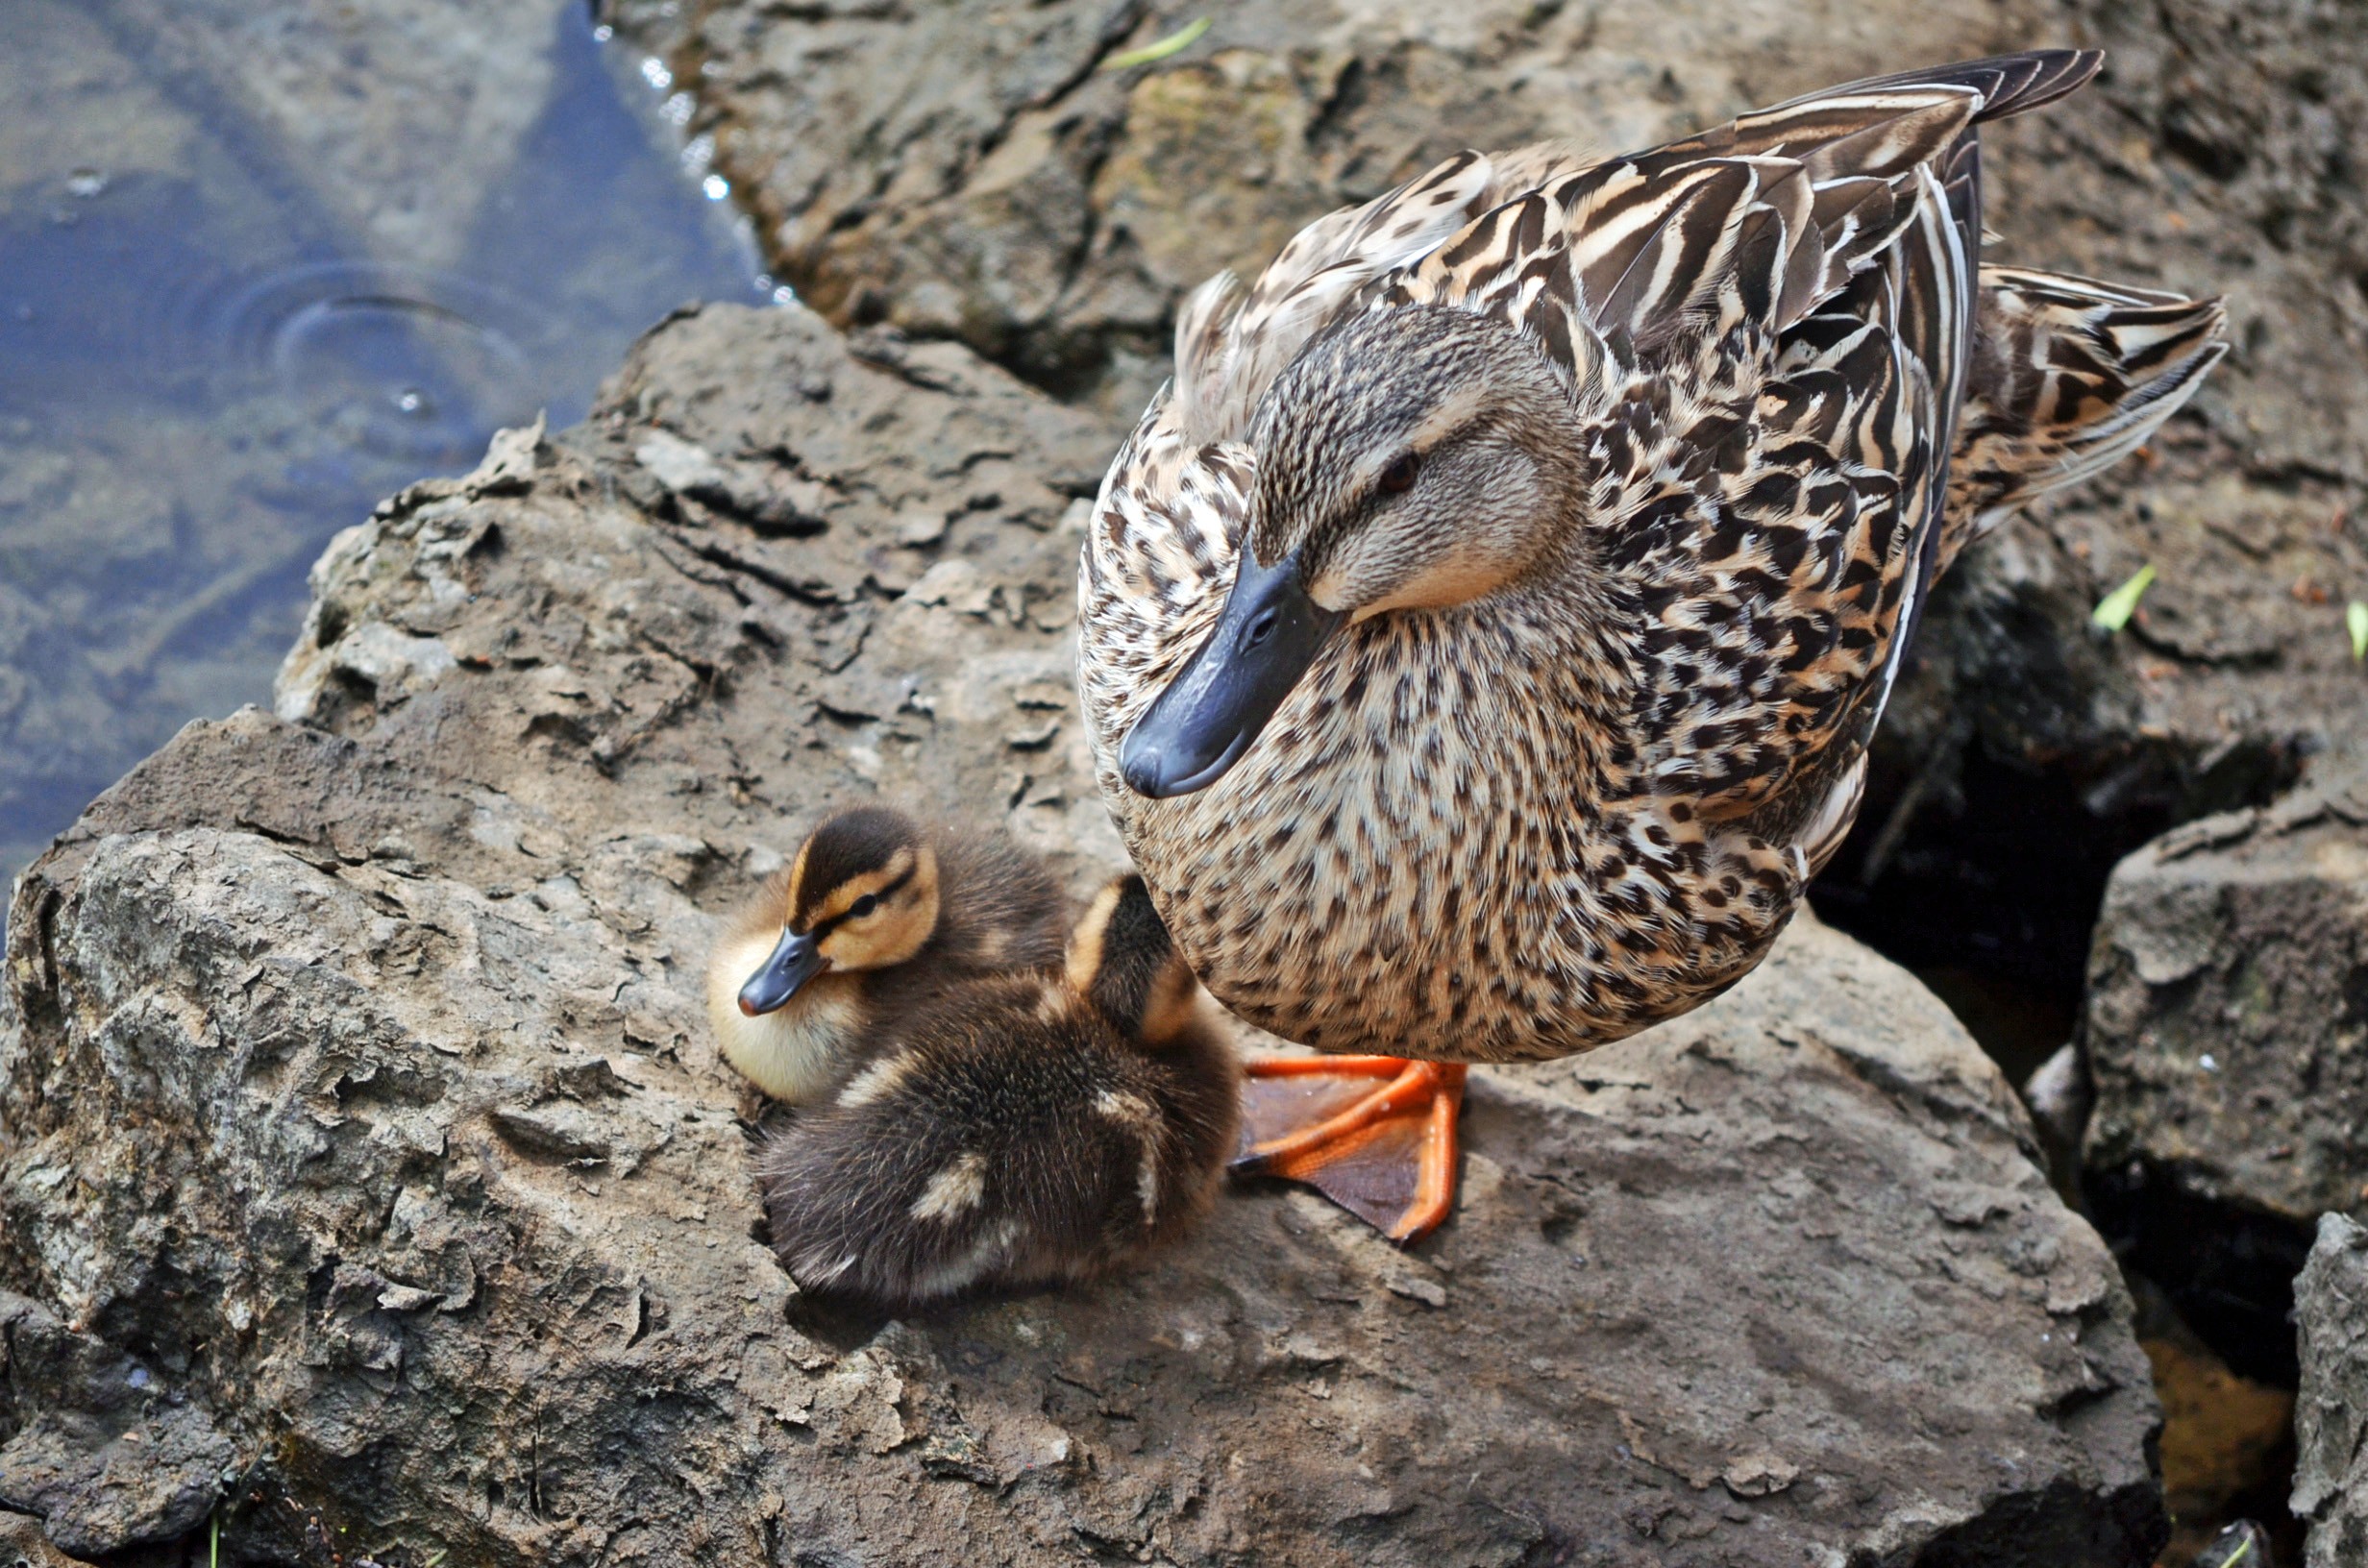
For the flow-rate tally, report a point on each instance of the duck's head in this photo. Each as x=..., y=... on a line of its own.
x=1122, y=959
x=1407, y=459
x=862, y=894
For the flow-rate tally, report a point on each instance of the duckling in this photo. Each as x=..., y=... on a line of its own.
x=1025, y=1129
x=1481, y=637
x=874, y=920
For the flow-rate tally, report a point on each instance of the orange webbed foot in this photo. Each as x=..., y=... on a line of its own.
x=1374, y=1134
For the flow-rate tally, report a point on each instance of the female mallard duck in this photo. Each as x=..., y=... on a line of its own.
x=874, y=919
x=1024, y=1129
x=1588, y=509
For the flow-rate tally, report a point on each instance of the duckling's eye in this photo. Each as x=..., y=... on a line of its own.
x=1399, y=476
x=863, y=906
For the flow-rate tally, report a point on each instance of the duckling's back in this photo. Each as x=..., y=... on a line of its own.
x=1001, y=907
x=1015, y=1137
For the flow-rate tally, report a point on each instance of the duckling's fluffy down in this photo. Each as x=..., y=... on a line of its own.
x=1015, y=1138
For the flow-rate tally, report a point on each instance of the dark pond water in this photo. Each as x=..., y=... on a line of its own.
x=261, y=263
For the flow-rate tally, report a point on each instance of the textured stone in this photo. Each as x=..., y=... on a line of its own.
x=108, y=1453
x=975, y=172
x=351, y=1067
x=2331, y=1416
x=2226, y=1023
x=22, y=1545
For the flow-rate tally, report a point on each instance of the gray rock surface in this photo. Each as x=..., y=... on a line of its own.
x=2331, y=1415
x=104, y=1451
x=975, y=171
x=2226, y=1023
x=352, y=1072
x=22, y=1545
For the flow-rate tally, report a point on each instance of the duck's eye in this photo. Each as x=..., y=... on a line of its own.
x=863, y=906
x=1399, y=476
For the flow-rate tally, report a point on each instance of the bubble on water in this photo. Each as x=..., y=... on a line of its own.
x=783, y=294
x=404, y=363
x=2210, y=1063
x=86, y=183
x=716, y=187
x=603, y=33
x=697, y=153
x=654, y=72
x=677, y=109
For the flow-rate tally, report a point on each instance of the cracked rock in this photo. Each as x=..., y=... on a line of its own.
x=2331, y=1414
x=108, y=1453
x=341, y=1140
x=2225, y=1029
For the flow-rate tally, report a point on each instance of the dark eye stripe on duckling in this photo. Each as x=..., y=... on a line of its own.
x=853, y=900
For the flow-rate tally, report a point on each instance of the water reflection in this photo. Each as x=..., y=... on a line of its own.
x=260, y=265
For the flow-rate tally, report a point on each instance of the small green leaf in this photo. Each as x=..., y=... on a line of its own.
x=2355, y=622
x=214, y=1540
x=2114, y=609
x=2239, y=1555
x=1174, y=43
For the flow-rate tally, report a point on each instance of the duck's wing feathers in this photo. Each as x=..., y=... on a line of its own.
x=2070, y=376
x=1231, y=342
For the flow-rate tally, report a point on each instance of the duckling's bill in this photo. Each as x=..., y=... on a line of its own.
x=797, y=958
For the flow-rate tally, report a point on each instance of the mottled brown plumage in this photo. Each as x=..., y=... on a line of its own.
x=1021, y=1128
x=892, y=916
x=1601, y=500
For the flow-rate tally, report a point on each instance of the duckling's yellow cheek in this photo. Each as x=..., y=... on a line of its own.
x=893, y=935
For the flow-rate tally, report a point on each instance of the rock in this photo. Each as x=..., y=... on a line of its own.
x=2229, y=1058
x=353, y=1068
x=103, y=1451
x=2223, y=1032
x=2059, y=1097
x=22, y=1545
x=977, y=172
x=2331, y=1417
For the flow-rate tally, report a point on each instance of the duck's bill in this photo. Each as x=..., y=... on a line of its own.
x=1270, y=633
x=795, y=959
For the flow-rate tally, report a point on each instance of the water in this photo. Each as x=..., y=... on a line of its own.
x=262, y=262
